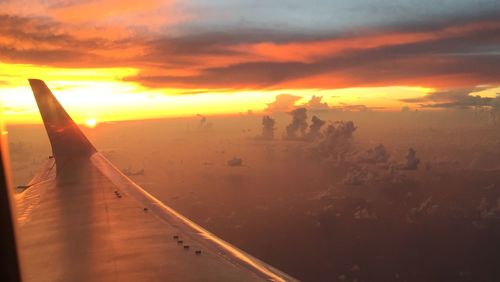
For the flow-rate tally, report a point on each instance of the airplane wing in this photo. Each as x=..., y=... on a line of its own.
x=9, y=266
x=81, y=219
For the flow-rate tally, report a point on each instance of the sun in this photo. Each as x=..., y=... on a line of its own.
x=91, y=122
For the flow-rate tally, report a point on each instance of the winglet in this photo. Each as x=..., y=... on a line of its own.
x=66, y=139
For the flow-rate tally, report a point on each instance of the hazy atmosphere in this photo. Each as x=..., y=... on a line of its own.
x=335, y=201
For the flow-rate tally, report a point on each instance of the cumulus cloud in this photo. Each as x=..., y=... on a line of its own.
x=487, y=210
x=315, y=128
x=411, y=160
x=316, y=104
x=297, y=128
x=268, y=127
x=335, y=141
x=378, y=154
x=356, y=176
x=282, y=103
x=203, y=120
x=364, y=214
x=426, y=208
x=234, y=162
x=340, y=130
x=203, y=123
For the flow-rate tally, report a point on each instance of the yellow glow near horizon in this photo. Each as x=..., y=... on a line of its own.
x=91, y=122
x=102, y=94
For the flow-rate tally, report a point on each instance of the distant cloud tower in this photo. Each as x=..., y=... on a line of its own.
x=203, y=121
x=298, y=124
x=282, y=103
x=316, y=104
x=268, y=127
x=411, y=160
x=315, y=128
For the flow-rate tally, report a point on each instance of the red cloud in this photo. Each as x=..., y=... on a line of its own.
x=451, y=53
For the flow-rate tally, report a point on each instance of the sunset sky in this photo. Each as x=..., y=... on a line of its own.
x=120, y=59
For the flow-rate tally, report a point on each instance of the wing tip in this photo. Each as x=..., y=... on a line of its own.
x=33, y=81
x=38, y=86
x=66, y=138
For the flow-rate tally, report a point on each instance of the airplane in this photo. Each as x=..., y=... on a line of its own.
x=82, y=219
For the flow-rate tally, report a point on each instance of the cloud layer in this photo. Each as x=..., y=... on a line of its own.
x=167, y=43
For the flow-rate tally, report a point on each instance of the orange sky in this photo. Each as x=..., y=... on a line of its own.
x=168, y=58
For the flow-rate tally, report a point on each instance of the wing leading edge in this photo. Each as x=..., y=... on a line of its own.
x=86, y=221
